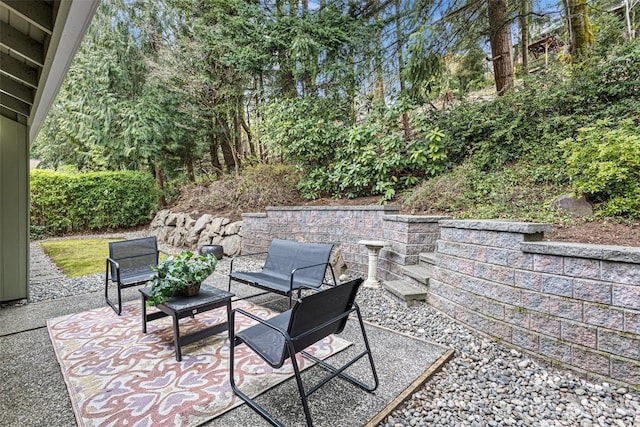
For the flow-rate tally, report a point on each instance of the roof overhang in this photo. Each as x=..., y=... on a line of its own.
x=38, y=40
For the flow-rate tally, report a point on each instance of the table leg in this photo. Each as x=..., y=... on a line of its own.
x=176, y=337
x=228, y=316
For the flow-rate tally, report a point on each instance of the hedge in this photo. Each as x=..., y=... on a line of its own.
x=73, y=203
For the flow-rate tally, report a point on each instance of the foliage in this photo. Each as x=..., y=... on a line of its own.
x=177, y=272
x=377, y=160
x=521, y=191
x=529, y=122
x=343, y=159
x=78, y=257
x=64, y=203
x=604, y=163
x=255, y=188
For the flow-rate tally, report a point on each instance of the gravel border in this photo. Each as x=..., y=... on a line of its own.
x=485, y=384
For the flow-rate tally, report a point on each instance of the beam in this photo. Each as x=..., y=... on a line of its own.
x=21, y=44
x=18, y=70
x=15, y=105
x=36, y=12
x=15, y=89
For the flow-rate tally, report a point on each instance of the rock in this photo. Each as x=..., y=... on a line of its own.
x=232, y=245
x=232, y=229
x=337, y=261
x=201, y=223
x=171, y=220
x=216, y=225
x=181, y=219
x=189, y=222
x=159, y=219
x=576, y=207
x=204, y=239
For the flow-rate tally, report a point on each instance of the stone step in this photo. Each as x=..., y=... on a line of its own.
x=421, y=273
x=428, y=258
x=406, y=291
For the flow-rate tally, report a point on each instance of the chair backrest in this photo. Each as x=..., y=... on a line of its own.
x=314, y=310
x=134, y=255
x=284, y=256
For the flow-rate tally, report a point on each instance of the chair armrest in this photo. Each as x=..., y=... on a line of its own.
x=115, y=264
x=294, y=271
x=257, y=319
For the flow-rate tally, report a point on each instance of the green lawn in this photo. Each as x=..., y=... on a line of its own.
x=80, y=256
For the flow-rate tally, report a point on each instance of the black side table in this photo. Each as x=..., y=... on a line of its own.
x=179, y=307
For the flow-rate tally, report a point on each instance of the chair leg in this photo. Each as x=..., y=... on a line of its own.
x=339, y=372
x=259, y=409
x=118, y=309
x=303, y=394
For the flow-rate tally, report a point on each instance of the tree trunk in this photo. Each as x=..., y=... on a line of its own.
x=405, y=117
x=378, y=84
x=501, y=46
x=524, y=34
x=213, y=153
x=162, y=201
x=226, y=144
x=580, y=31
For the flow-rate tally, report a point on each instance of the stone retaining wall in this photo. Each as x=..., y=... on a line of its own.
x=575, y=304
x=342, y=226
x=182, y=231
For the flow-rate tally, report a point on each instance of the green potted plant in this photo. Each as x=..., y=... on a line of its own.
x=181, y=273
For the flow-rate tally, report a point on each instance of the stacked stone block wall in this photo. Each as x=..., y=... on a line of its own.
x=343, y=226
x=407, y=236
x=575, y=304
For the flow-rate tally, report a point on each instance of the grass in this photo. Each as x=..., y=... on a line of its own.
x=78, y=257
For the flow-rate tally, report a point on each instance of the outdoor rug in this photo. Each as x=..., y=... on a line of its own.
x=116, y=375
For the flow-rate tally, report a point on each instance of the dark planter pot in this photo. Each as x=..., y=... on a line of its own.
x=191, y=290
x=216, y=250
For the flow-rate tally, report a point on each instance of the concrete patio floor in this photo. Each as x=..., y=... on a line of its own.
x=33, y=392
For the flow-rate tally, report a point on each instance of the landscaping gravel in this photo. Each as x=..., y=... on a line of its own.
x=484, y=384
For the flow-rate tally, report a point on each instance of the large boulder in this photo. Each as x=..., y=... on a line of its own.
x=232, y=245
x=577, y=207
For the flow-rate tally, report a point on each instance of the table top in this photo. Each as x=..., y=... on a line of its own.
x=207, y=295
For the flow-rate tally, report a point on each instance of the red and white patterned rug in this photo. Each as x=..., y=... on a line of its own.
x=116, y=375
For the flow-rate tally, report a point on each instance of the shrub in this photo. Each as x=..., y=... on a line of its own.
x=604, y=163
x=529, y=122
x=63, y=203
x=257, y=187
x=377, y=160
x=520, y=191
x=339, y=158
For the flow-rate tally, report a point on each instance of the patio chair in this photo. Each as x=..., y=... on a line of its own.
x=289, y=267
x=311, y=319
x=129, y=264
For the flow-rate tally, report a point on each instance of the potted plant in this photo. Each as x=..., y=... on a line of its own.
x=181, y=273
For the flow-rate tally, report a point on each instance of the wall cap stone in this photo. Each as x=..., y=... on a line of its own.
x=335, y=208
x=415, y=218
x=497, y=225
x=254, y=215
x=581, y=250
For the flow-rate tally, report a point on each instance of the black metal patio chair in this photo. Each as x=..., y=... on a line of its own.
x=129, y=264
x=311, y=319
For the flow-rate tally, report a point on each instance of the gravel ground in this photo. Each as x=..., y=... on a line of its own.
x=485, y=384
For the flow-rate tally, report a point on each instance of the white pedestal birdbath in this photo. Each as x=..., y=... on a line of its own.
x=373, y=246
